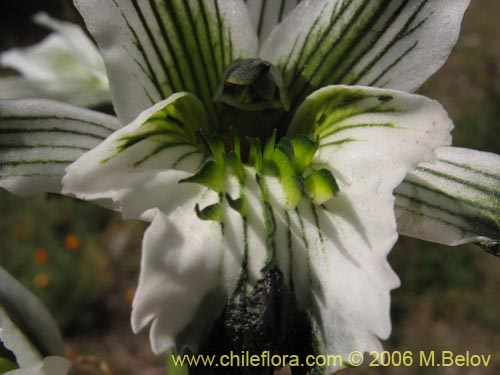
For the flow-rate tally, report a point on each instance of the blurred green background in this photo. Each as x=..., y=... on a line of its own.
x=83, y=261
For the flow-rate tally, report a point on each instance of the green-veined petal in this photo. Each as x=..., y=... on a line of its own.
x=454, y=201
x=369, y=139
x=266, y=14
x=39, y=138
x=65, y=66
x=155, y=48
x=158, y=149
x=394, y=44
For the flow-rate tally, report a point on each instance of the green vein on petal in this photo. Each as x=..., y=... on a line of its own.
x=178, y=123
x=382, y=43
x=266, y=14
x=158, y=48
x=40, y=138
x=454, y=201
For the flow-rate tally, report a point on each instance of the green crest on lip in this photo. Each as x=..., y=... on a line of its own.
x=290, y=161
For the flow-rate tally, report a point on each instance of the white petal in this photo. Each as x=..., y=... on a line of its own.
x=48, y=60
x=392, y=44
x=64, y=66
x=191, y=267
x=372, y=135
x=154, y=49
x=30, y=315
x=369, y=139
x=454, y=201
x=178, y=271
x=78, y=44
x=265, y=15
x=149, y=168
x=39, y=138
x=49, y=366
x=15, y=341
x=72, y=91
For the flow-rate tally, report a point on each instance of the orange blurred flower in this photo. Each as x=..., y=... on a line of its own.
x=41, y=256
x=41, y=280
x=72, y=242
x=20, y=232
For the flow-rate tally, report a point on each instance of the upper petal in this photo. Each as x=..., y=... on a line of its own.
x=153, y=49
x=383, y=43
x=454, y=201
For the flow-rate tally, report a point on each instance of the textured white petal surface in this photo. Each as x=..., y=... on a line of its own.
x=267, y=14
x=454, y=201
x=105, y=173
x=178, y=271
x=391, y=44
x=39, y=138
x=369, y=139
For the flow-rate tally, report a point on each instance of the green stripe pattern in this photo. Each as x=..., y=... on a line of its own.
x=453, y=201
x=362, y=42
x=334, y=114
x=39, y=138
x=179, y=122
x=266, y=14
x=163, y=47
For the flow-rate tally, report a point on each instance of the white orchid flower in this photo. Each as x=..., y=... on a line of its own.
x=64, y=66
x=264, y=239
x=32, y=339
